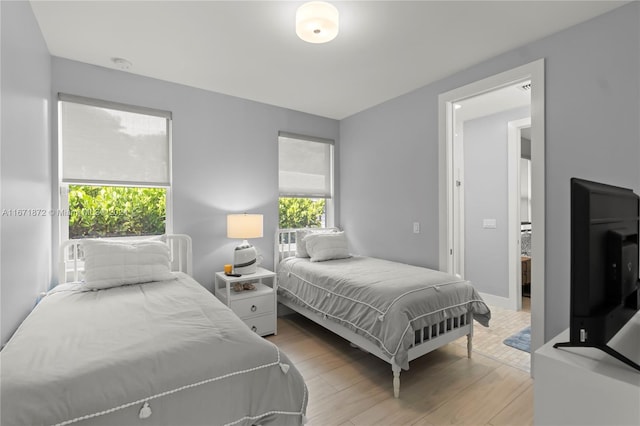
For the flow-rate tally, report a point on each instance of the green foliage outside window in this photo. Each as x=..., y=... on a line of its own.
x=106, y=211
x=301, y=212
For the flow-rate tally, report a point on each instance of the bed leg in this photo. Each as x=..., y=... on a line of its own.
x=469, y=344
x=396, y=380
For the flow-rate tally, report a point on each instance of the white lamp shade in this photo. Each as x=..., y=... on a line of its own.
x=243, y=226
x=317, y=22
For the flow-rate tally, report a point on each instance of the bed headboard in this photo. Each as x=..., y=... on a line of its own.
x=71, y=263
x=285, y=243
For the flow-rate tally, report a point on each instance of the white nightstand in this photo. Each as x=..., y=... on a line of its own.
x=257, y=308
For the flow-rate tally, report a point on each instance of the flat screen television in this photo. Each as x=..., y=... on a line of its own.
x=605, y=290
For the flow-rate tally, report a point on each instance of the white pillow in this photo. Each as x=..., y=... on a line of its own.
x=115, y=263
x=323, y=247
x=301, y=245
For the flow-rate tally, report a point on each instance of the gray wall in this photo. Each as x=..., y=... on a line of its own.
x=389, y=153
x=486, y=197
x=25, y=170
x=225, y=154
x=389, y=179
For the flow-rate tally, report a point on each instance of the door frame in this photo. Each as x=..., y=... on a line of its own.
x=514, y=129
x=533, y=71
x=457, y=257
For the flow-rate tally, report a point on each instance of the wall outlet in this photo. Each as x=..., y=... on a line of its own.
x=489, y=224
x=416, y=227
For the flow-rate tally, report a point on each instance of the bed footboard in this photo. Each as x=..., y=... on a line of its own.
x=431, y=337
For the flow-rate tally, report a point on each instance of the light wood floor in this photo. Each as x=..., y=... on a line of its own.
x=504, y=323
x=350, y=387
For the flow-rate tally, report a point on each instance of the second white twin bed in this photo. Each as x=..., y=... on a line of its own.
x=395, y=311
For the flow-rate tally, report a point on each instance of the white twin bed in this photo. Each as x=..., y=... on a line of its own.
x=138, y=344
x=395, y=311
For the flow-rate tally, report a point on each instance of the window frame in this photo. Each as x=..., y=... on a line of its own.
x=63, y=187
x=329, y=201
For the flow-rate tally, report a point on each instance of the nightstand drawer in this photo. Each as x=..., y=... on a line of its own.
x=253, y=306
x=262, y=325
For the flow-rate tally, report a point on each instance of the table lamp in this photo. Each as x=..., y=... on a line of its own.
x=244, y=226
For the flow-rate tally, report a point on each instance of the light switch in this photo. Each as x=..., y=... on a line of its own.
x=489, y=223
x=416, y=227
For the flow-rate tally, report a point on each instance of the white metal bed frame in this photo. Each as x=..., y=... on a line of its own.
x=71, y=258
x=426, y=340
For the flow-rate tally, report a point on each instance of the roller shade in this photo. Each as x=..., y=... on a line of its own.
x=113, y=144
x=305, y=166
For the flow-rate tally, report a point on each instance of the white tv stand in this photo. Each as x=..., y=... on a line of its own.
x=585, y=386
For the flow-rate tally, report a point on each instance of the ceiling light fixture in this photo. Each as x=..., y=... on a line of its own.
x=317, y=22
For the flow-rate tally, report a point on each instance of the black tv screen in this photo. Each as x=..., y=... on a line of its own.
x=605, y=293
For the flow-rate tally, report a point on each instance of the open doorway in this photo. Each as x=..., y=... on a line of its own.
x=520, y=205
x=455, y=241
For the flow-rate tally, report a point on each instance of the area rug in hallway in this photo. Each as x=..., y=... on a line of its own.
x=521, y=340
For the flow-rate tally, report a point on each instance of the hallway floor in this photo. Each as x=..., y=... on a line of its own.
x=504, y=323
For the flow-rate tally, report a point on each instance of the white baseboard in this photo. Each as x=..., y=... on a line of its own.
x=498, y=301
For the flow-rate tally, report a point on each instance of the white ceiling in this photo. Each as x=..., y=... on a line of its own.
x=249, y=49
x=503, y=99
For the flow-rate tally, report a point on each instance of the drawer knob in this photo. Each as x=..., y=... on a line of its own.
x=254, y=308
x=254, y=329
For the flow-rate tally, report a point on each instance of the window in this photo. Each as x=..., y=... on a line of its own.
x=305, y=181
x=116, y=211
x=115, y=169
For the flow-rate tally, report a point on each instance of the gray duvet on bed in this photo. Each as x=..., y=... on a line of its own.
x=96, y=357
x=383, y=301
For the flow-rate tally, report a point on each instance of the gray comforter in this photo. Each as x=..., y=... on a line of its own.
x=381, y=300
x=96, y=357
